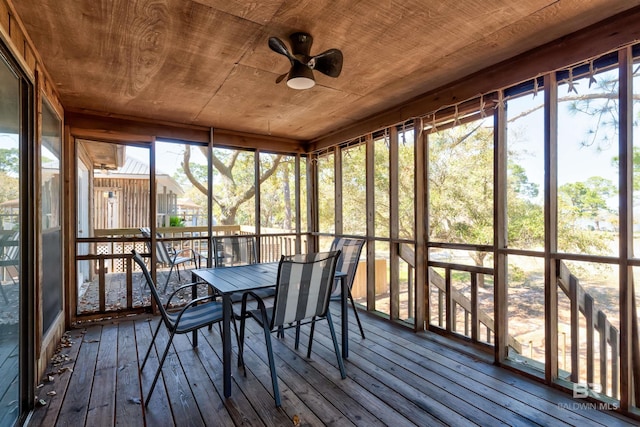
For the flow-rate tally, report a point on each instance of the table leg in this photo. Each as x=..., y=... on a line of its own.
x=345, y=317
x=226, y=344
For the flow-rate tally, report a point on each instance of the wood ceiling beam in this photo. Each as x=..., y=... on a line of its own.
x=114, y=128
x=599, y=38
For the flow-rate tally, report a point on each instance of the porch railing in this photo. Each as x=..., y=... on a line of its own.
x=476, y=323
x=582, y=303
x=111, y=276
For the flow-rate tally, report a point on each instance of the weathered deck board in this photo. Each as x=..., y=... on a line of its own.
x=127, y=380
x=8, y=383
x=59, y=384
x=102, y=401
x=394, y=377
x=76, y=403
x=158, y=412
x=532, y=394
x=481, y=403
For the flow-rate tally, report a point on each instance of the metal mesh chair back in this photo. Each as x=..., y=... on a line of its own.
x=234, y=250
x=303, y=287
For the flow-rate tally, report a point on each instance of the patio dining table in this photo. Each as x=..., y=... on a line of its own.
x=240, y=279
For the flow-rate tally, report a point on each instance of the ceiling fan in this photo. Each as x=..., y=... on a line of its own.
x=300, y=76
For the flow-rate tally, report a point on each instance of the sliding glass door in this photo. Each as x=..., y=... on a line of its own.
x=16, y=371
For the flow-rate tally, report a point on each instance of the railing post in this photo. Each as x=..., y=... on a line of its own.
x=615, y=364
x=440, y=308
x=450, y=321
x=474, y=306
x=588, y=314
x=102, y=283
x=603, y=332
x=129, y=263
x=410, y=291
x=575, y=328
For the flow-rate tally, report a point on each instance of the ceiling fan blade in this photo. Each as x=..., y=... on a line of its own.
x=278, y=46
x=328, y=62
x=281, y=77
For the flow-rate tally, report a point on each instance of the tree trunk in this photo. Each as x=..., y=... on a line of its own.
x=479, y=257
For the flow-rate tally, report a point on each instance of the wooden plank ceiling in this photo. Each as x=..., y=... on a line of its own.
x=207, y=62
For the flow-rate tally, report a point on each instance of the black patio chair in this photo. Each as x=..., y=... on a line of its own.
x=238, y=250
x=195, y=314
x=9, y=257
x=347, y=263
x=302, y=294
x=234, y=250
x=167, y=256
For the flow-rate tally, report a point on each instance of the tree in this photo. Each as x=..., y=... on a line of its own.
x=461, y=196
x=276, y=209
x=461, y=186
x=525, y=215
x=587, y=199
x=406, y=186
x=326, y=202
x=519, y=182
x=9, y=161
x=354, y=190
x=9, y=167
x=9, y=190
x=234, y=181
x=636, y=166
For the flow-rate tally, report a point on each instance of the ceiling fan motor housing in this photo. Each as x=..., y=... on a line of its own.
x=301, y=44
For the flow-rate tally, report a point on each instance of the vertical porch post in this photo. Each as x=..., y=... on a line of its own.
x=551, y=226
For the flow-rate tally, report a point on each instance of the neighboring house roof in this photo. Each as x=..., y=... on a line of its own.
x=135, y=169
x=188, y=204
x=12, y=204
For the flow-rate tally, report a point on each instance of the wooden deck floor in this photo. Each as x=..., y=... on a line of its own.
x=394, y=377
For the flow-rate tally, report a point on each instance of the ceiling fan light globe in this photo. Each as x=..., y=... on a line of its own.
x=300, y=76
x=300, y=83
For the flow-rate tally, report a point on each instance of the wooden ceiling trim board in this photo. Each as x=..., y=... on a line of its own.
x=108, y=136
x=135, y=127
x=129, y=129
x=599, y=38
x=234, y=139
